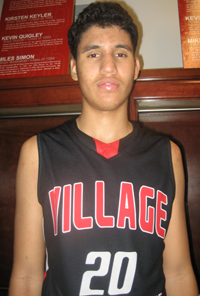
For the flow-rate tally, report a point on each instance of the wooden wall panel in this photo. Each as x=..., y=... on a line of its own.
x=13, y=133
x=39, y=91
x=58, y=90
x=184, y=129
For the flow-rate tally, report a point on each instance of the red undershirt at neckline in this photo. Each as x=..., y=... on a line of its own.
x=107, y=150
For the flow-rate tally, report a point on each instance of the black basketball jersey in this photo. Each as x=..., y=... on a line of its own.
x=105, y=218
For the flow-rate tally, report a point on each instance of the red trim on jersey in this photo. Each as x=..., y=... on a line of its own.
x=107, y=150
x=45, y=274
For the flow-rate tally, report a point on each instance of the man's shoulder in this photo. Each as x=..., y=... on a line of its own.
x=29, y=146
x=148, y=135
x=59, y=129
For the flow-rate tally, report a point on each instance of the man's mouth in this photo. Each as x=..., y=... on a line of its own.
x=108, y=85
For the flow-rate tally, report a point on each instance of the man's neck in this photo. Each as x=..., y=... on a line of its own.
x=106, y=126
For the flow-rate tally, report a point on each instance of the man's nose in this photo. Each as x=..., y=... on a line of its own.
x=108, y=65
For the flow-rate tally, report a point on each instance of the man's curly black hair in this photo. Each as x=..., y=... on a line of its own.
x=101, y=14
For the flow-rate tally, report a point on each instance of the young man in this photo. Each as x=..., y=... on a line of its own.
x=109, y=194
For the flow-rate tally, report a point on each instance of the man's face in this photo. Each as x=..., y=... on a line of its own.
x=105, y=68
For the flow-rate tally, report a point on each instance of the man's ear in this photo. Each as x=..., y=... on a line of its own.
x=73, y=69
x=137, y=68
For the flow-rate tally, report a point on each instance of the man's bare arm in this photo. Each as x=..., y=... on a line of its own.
x=29, y=249
x=180, y=279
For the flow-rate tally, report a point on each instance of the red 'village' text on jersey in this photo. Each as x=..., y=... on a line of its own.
x=148, y=218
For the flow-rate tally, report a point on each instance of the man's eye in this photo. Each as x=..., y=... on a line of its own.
x=120, y=55
x=93, y=55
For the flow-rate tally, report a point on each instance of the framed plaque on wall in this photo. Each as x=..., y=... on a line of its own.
x=189, y=16
x=33, y=38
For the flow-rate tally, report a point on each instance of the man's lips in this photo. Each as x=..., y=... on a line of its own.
x=108, y=84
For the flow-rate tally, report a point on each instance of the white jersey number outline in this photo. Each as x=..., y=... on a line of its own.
x=115, y=273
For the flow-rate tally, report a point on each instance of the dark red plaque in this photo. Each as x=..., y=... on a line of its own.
x=189, y=16
x=33, y=37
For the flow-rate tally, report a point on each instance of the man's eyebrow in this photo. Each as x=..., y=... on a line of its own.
x=123, y=46
x=90, y=47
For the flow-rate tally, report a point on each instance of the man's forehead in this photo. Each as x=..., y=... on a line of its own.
x=96, y=37
x=95, y=29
